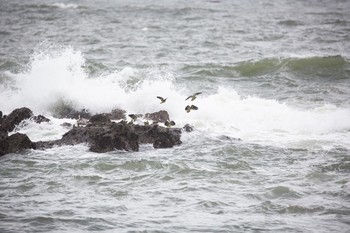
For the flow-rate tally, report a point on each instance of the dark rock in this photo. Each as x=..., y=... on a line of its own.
x=168, y=139
x=40, y=119
x=117, y=114
x=63, y=110
x=15, y=143
x=159, y=136
x=20, y=141
x=99, y=119
x=161, y=116
x=100, y=137
x=3, y=133
x=134, y=117
x=112, y=140
x=15, y=117
x=228, y=138
x=66, y=124
x=0, y=114
x=104, y=137
x=4, y=146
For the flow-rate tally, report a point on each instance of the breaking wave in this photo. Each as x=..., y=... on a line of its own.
x=330, y=66
x=59, y=76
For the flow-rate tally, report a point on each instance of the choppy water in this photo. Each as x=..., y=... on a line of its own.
x=275, y=74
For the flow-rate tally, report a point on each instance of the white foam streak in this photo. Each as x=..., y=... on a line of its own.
x=65, y=6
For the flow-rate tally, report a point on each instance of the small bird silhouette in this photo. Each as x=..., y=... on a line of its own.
x=189, y=108
x=194, y=96
x=169, y=123
x=162, y=100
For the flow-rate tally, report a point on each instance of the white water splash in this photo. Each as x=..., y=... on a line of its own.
x=56, y=76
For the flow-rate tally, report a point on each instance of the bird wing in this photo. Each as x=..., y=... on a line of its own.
x=161, y=98
x=198, y=93
x=194, y=107
x=188, y=97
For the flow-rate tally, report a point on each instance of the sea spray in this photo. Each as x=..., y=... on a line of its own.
x=58, y=76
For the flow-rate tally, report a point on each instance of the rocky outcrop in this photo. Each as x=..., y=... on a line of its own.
x=161, y=116
x=64, y=110
x=15, y=143
x=188, y=128
x=9, y=122
x=159, y=136
x=100, y=134
x=40, y=119
x=117, y=114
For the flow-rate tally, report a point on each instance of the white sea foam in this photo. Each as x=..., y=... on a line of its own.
x=59, y=76
x=65, y=6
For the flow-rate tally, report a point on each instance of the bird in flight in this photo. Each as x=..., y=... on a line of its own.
x=194, y=96
x=162, y=100
x=189, y=108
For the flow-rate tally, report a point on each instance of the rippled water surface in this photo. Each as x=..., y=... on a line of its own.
x=270, y=149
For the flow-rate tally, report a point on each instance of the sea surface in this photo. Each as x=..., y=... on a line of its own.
x=271, y=147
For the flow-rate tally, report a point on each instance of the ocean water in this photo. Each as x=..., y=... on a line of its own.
x=271, y=147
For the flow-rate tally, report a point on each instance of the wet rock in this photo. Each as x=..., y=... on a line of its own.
x=99, y=119
x=188, y=128
x=159, y=136
x=15, y=143
x=161, y=116
x=109, y=136
x=117, y=114
x=9, y=122
x=101, y=137
x=119, y=137
x=63, y=110
x=40, y=119
x=3, y=133
x=228, y=138
x=168, y=139
x=4, y=146
x=66, y=124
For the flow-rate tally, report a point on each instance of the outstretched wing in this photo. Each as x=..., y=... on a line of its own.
x=161, y=98
x=194, y=107
x=188, y=97
x=198, y=93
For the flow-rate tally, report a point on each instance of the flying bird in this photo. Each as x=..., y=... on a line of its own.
x=189, y=108
x=194, y=96
x=162, y=100
x=169, y=123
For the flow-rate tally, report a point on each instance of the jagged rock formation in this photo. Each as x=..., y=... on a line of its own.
x=100, y=133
